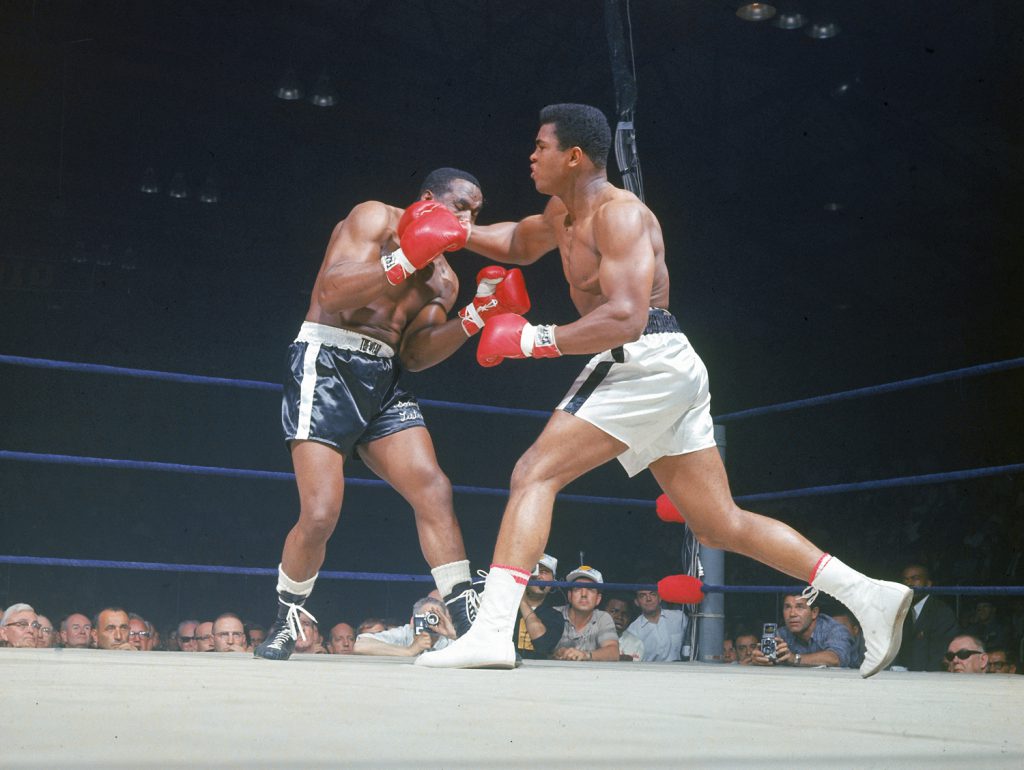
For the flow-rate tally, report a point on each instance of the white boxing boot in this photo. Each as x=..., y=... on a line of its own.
x=488, y=644
x=879, y=605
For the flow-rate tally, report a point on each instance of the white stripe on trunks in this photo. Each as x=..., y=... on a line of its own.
x=307, y=390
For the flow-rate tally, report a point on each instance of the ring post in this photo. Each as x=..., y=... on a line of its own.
x=711, y=631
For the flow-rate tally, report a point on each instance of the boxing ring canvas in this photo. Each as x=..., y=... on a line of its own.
x=92, y=708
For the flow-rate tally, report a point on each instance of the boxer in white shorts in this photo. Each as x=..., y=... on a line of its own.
x=652, y=395
x=643, y=398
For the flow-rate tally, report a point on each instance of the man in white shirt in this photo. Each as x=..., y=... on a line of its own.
x=660, y=630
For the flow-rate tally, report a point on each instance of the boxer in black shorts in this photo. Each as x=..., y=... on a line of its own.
x=380, y=304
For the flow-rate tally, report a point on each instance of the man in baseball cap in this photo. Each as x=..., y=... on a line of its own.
x=539, y=625
x=589, y=633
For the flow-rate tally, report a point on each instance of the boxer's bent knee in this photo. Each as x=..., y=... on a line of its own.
x=536, y=469
x=723, y=528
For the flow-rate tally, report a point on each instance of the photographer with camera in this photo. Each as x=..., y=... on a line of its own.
x=429, y=628
x=808, y=638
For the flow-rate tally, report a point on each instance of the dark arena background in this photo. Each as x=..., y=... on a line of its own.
x=841, y=203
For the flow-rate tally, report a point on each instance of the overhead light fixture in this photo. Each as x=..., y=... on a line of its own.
x=150, y=184
x=823, y=30
x=289, y=87
x=789, y=20
x=209, y=192
x=178, y=187
x=324, y=94
x=755, y=11
x=834, y=207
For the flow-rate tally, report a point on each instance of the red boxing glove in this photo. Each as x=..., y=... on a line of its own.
x=498, y=291
x=426, y=229
x=510, y=336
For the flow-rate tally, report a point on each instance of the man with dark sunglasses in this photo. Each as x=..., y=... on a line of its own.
x=187, y=635
x=966, y=655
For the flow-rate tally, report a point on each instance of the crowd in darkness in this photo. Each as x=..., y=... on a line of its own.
x=583, y=624
x=949, y=535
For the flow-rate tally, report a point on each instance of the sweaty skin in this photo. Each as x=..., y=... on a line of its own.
x=352, y=293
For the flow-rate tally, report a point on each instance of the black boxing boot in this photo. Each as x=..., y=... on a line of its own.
x=462, y=603
x=280, y=641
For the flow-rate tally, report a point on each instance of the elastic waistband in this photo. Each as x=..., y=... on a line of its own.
x=344, y=339
x=659, y=321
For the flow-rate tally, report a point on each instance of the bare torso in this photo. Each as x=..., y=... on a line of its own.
x=386, y=317
x=581, y=257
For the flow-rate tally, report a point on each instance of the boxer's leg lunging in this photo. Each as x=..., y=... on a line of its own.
x=567, y=448
x=696, y=482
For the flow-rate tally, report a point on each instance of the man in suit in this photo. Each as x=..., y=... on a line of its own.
x=928, y=628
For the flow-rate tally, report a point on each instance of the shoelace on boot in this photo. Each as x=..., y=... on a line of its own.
x=810, y=594
x=292, y=620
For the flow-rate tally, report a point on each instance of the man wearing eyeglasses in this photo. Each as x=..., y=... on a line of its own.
x=229, y=634
x=966, y=655
x=110, y=630
x=19, y=626
x=1001, y=662
x=204, y=636
x=76, y=631
x=187, y=635
x=139, y=634
x=47, y=633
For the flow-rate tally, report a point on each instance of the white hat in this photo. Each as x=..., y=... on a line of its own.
x=584, y=571
x=548, y=561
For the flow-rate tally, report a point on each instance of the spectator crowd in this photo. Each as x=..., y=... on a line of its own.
x=583, y=624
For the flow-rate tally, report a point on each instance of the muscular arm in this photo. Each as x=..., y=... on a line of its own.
x=518, y=243
x=625, y=276
x=352, y=276
x=431, y=336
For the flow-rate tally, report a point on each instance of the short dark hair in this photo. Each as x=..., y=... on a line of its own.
x=580, y=125
x=921, y=566
x=439, y=181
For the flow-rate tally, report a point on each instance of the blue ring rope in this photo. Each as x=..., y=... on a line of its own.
x=913, y=382
x=197, y=379
x=205, y=470
x=41, y=561
x=871, y=390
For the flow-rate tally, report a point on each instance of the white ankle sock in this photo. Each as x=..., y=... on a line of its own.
x=502, y=593
x=449, y=575
x=298, y=588
x=836, y=579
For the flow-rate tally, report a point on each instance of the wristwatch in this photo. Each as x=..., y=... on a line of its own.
x=796, y=658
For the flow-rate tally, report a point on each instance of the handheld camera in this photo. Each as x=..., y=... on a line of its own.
x=421, y=623
x=769, y=647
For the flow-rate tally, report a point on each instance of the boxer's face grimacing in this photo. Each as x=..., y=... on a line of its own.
x=463, y=199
